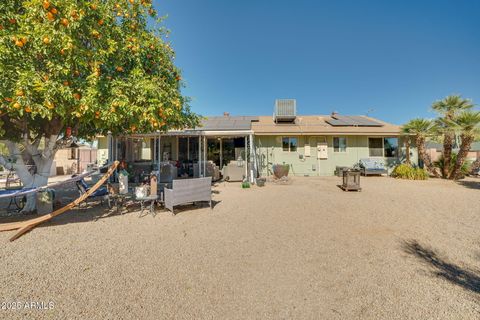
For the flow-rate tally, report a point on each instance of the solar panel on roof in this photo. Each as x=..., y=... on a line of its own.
x=227, y=123
x=352, y=121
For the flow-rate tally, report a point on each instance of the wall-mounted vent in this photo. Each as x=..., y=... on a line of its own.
x=285, y=110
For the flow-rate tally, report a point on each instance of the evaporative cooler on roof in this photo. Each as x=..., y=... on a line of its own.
x=285, y=110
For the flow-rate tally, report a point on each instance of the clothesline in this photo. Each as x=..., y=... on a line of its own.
x=26, y=191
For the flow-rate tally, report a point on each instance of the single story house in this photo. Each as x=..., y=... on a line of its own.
x=312, y=145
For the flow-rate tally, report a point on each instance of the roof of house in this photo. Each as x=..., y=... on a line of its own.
x=226, y=123
x=322, y=125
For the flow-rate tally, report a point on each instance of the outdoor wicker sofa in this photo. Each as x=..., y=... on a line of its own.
x=185, y=191
x=372, y=166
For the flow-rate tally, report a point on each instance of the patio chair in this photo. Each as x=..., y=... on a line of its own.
x=83, y=187
x=371, y=166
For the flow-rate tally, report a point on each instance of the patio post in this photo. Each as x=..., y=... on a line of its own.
x=154, y=155
x=221, y=153
x=159, y=153
x=246, y=161
x=205, y=155
x=109, y=148
x=200, y=156
x=250, y=159
x=115, y=148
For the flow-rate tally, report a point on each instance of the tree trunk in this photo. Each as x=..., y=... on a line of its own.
x=475, y=165
x=448, y=139
x=43, y=162
x=461, y=156
x=424, y=156
x=407, y=151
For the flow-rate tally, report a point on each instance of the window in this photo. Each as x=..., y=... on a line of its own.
x=383, y=147
x=375, y=147
x=390, y=147
x=289, y=144
x=339, y=144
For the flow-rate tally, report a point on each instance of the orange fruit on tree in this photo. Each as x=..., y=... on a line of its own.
x=19, y=43
x=64, y=21
x=46, y=4
x=100, y=22
x=17, y=105
x=66, y=83
x=54, y=11
x=12, y=21
x=93, y=6
x=8, y=99
x=62, y=52
x=95, y=33
x=74, y=14
x=28, y=109
x=77, y=96
x=50, y=16
x=132, y=1
x=119, y=69
x=19, y=93
x=49, y=105
x=76, y=73
x=46, y=40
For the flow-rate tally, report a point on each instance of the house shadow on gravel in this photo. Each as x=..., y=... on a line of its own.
x=465, y=277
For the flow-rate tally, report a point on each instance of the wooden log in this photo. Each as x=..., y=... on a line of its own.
x=25, y=226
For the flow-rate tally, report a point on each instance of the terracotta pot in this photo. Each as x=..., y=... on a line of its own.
x=280, y=170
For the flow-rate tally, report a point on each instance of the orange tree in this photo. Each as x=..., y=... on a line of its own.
x=94, y=66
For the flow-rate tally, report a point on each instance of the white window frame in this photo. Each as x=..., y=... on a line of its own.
x=290, y=137
x=346, y=144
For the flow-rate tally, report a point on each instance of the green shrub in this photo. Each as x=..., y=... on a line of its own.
x=405, y=171
x=464, y=170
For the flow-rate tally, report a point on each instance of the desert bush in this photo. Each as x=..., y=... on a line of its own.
x=464, y=169
x=405, y=171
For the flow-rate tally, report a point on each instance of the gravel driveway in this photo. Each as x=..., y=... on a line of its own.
x=306, y=250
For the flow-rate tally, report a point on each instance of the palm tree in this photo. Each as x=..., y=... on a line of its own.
x=468, y=124
x=475, y=166
x=449, y=108
x=420, y=129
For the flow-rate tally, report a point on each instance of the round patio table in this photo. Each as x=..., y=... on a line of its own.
x=148, y=201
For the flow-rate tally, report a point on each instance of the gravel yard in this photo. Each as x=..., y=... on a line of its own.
x=306, y=250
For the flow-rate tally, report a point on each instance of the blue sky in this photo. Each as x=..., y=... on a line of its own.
x=395, y=57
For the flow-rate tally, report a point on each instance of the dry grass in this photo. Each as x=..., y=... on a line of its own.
x=396, y=250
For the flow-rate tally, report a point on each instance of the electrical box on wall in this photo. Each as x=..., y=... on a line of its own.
x=307, y=150
x=322, y=150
